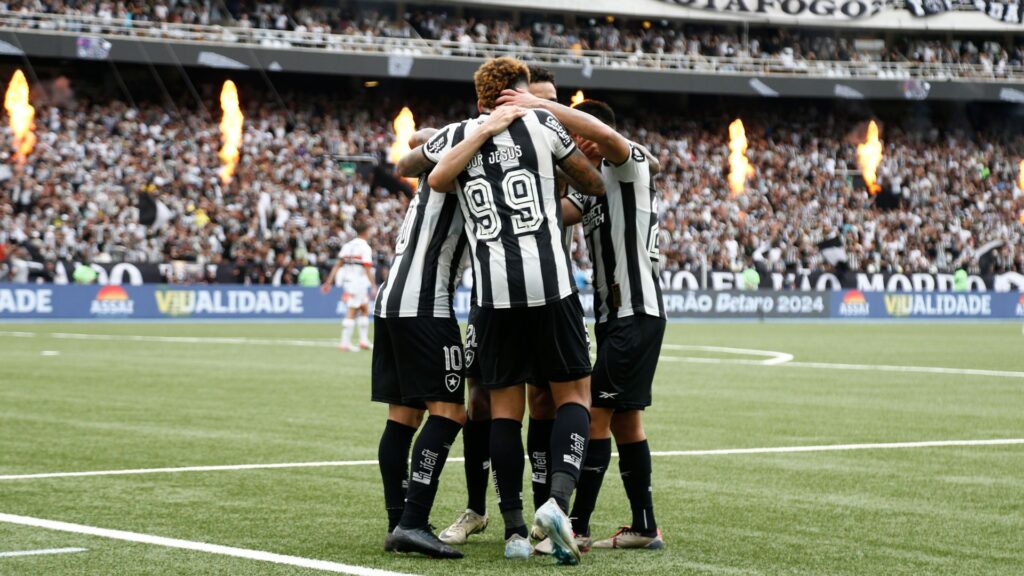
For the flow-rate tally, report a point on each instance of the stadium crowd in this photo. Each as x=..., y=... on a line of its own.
x=81, y=196
x=793, y=48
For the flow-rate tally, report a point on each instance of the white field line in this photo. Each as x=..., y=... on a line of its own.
x=773, y=357
x=914, y=369
x=133, y=472
x=856, y=367
x=322, y=565
x=843, y=447
x=778, y=359
x=717, y=452
x=45, y=552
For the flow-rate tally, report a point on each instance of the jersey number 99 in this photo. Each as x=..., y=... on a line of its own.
x=519, y=188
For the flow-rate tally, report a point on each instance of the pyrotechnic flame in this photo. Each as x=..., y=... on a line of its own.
x=578, y=97
x=230, y=130
x=869, y=156
x=405, y=127
x=22, y=116
x=739, y=166
x=1020, y=180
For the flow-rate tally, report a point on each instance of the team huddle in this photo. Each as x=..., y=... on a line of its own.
x=500, y=193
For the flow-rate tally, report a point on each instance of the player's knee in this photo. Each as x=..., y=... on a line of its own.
x=405, y=415
x=575, y=392
x=542, y=404
x=479, y=404
x=628, y=427
x=600, y=423
x=449, y=410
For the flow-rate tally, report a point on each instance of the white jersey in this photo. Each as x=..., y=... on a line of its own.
x=513, y=212
x=622, y=237
x=356, y=257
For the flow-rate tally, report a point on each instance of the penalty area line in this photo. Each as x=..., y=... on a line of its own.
x=715, y=452
x=46, y=552
x=259, y=555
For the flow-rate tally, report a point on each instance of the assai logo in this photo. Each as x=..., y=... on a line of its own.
x=112, y=301
x=854, y=304
x=1020, y=306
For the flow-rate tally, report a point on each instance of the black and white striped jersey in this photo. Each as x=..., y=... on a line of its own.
x=621, y=228
x=513, y=212
x=428, y=257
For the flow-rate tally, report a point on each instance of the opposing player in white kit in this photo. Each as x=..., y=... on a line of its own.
x=355, y=264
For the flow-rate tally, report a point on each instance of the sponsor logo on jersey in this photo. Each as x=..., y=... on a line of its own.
x=112, y=301
x=593, y=219
x=854, y=304
x=438, y=142
x=938, y=304
x=556, y=126
x=638, y=154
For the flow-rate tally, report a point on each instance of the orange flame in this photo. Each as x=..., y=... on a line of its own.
x=739, y=166
x=22, y=116
x=405, y=127
x=578, y=97
x=230, y=131
x=1020, y=181
x=869, y=156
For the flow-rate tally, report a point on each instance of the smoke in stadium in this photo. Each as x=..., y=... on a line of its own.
x=480, y=287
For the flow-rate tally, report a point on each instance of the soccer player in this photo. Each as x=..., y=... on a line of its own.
x=355, y=264
x=417, y=365
x=530, y=321
x=477, y=431
x=621, y=230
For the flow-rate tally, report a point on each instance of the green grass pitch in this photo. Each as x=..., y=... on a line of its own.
x=118, y=403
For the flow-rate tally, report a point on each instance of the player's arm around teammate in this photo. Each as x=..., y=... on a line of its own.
x=629, y=333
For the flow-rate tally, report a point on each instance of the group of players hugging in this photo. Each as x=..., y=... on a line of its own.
x=506, y=187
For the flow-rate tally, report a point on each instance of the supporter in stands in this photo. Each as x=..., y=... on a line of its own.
x=795, y=49
x=77, y=197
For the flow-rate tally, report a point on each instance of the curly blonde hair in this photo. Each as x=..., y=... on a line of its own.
x=496, y=75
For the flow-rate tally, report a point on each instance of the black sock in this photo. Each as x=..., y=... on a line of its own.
x=476, y=441
x=635, y=468
x=507, y=463
x=599, y=455
x=393, y=456
x=569, y=438
x=538, y=446
x=428, y=458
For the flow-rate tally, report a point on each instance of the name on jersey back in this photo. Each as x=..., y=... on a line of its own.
x=500, y=156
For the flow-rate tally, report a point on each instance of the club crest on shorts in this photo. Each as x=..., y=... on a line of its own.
x=452, y=382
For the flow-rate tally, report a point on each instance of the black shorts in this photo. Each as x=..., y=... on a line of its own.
x=544, y=344
x=472, y=346
x=627, y=356
x=416, y=360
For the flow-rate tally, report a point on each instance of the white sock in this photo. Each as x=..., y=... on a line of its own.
x=363, y=328
x=346, y=331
